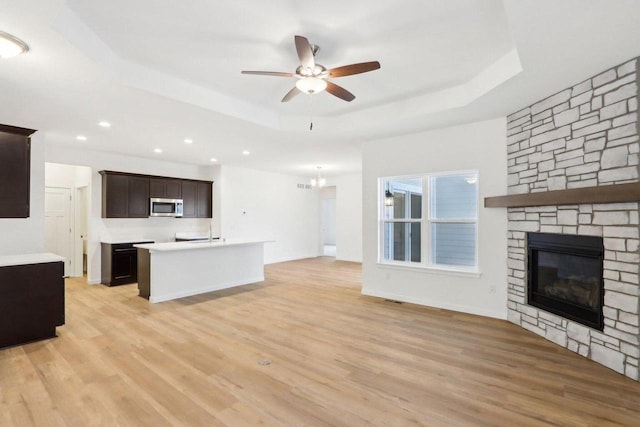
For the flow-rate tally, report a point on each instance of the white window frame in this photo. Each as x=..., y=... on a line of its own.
x=426, y=262
x=406, y=220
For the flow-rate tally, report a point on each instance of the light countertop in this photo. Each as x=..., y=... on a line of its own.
x=199, y=244
x=24, y=259
x=117, y=240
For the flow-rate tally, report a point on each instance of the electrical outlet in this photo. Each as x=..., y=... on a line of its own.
x=492, y=289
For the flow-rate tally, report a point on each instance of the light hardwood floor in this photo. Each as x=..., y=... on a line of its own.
x=337, y=358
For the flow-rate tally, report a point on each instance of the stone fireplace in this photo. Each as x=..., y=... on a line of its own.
x=564, y=276
x=585, y=136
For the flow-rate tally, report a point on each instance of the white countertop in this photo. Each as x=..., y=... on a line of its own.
x=199, y=244
x=192, y=234
x=24, y=259
x=117, y=240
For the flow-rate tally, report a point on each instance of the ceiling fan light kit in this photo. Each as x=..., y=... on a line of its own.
x=314, y=78
x=311, y=85
x=11, y=46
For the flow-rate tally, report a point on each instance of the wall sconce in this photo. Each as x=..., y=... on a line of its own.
x=388, y=198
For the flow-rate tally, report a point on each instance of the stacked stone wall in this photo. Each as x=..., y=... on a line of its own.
x=583, y=136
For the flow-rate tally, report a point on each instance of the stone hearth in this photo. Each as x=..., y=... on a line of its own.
x=583, y=136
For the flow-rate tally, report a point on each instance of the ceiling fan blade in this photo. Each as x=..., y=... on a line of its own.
x=293, y=92
x=268, y=73
x=340, y=92
x=348, y=70
x=305, y=53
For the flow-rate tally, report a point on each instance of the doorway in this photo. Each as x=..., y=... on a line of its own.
x=67, y=213
x=328, y=218
x=82, y=225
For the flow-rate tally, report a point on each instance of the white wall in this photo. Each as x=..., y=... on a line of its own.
x=66, y=176
x=348, y=217
x=157, y=229
x=269, y=206
x=26, y=235
x=478, y=146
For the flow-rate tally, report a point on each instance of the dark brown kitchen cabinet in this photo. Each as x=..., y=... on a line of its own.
x=166, y=188
x=189, y=199
x=124, y=195
x=138, y=197
x=204, y=200
x=196, y=196
x=15, y=170
x=31, y=302
x=119, y=263
x=115, y=195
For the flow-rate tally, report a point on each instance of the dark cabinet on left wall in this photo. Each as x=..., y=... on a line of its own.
x=15, y=170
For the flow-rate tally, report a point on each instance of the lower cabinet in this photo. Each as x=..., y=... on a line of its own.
x=31, y=302
x=119, y=263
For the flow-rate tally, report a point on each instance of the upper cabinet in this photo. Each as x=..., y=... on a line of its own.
x=115, y=195
x=138, y=197
x=126, y=195
x=190, y=199
x=204, y=200
x=165, y=188
x=15, y=169
x=197, y=199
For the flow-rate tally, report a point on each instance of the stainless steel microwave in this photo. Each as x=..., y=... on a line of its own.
x=165, y=207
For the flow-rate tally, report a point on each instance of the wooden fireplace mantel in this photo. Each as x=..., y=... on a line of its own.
x=615, y=193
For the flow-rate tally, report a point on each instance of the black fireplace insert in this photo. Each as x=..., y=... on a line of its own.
x=565, y=276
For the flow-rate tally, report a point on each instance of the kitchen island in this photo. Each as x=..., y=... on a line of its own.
x=174, y=270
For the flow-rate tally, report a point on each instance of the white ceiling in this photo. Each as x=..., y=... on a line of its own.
x=161, y=72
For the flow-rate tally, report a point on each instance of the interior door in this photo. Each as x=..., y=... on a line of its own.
x=58, y=225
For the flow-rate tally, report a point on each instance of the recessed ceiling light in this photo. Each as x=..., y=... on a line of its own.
x=246, y=152
x=213, y=159
x=188, y=141
x=81, y=138
x=11, y=46
x=157, y=150
x=104, y=124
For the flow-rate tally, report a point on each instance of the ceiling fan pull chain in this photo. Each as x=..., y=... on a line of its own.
x=310, y=113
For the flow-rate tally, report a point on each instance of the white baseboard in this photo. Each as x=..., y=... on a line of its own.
x=437, y=304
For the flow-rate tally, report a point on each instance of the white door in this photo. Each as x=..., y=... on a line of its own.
x=58, y=224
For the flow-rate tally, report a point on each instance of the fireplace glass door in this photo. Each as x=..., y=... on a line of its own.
x=565, y=276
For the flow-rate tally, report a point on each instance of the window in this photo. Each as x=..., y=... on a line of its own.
x=430, y=220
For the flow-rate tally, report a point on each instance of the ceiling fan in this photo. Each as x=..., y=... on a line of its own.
x=313, y=77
